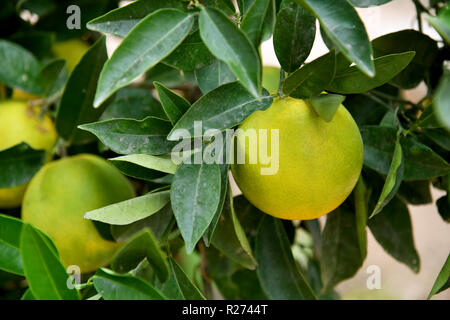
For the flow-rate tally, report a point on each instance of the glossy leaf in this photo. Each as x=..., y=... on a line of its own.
x=19, y=164
x=19, y=68
x=442, y=100
x=159, y=163
x=311, y=79
x=114, y=286
x=352, y=80
x=191, y=54
x=341, y=255
x=277, y=270
x=174, y=105
x=294, y=34
x=440, y=136
x=195, y=196
x=142, y=245
x=253, y=20
x=224, y=107
x=213, y=76
x=121, y=20
x=326, y=105
x=10, y=258
x=132, y=210
x=408, y=40
x=75, y=107
x=442, y=280
x=228, y=43
x=133, y=103
x=393, y=180
x=164, y=30
x=44, y=271
x=179, y=286
x=393, y=230
x=343, y=26
x=230, y=238
x=128, y=136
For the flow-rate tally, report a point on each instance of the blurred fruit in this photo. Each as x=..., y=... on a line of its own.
x=19, y=123
x=59, y=196
x=271, y=78
x=319, y=162
x=70, y=50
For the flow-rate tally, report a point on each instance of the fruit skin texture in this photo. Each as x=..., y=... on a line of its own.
x=61, y=193
x=70, y=50
x=22, y=123
x=319, y=162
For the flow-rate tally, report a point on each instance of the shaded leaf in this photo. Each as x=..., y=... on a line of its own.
x=368, y=3
x=164, y=30
x=129, y=136
x=159, y=163
x=442, y=100
x=113, y=286
x=53, y=77
x=343, y=26
x=19, y=164
x=326, y=105
x=195, y=196
x=174, y=105
x=415, y=192
x=213, y=76
x=278, y=273
x=253, y=20
x=351, y=80
x=132, y=210
x=294, y=34
x=228, y=43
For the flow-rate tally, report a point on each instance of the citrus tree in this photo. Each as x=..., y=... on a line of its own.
x=117, y=167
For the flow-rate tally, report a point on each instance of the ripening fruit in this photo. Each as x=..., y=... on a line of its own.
x=319, y=162
x=19, y=123
x=61, y=193
x=70, y=50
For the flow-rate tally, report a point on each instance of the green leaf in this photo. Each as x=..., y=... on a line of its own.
x=159, y=163
x=179, y=286
x=441, y=23
x=326, y=105
x=142, y=245
x=53, y=77
x=253, y=20
x=113, y=286
x=213, y=76
x=230, y=238
x=278, y=273
x=128, y=136
x=361, y=217
x=10, y=259
x=75, y=107
x=393, y=180
x=191, y=54
x=443, y=206
x=379, y=144
x=439, y=136
x=174, y=105
x=421, y=162
x=408, y=40
x=133, y=103
x=442, y=279
x=343, y=26
x=132, y=210
x=19, y=164
x=195, y=196
x=294, y=35
x=352, y=80
x=311, y=79
x=228, y=43
x=442, y=100
x=28, y=295
x=415, y=192
x=44, y=271
x=368, y=3
x=121, y=20
x=222, y=108
x=341, y=255
x=393, y=231
x=162, y=30
x=19, y=68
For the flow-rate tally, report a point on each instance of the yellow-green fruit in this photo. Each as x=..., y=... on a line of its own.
x=70, y=50
x=20, y=122
x=61, y=193
x=319, y=162
x=271, y=78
